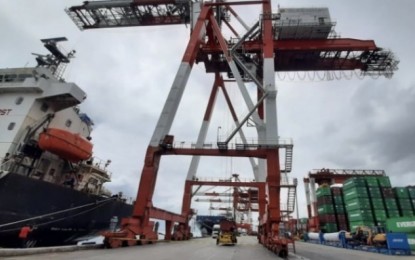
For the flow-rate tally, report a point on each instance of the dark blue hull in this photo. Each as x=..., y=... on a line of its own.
x=61, y=215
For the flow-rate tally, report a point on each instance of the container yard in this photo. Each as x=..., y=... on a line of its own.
x=358, y=209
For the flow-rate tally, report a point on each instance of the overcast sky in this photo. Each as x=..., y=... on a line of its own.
x=127, y=73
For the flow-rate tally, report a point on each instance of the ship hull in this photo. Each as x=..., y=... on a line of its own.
x=59, y=214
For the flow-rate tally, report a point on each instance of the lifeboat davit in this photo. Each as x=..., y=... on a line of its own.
x=67, y=145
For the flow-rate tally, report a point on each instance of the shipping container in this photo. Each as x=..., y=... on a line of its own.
x=324, y=200
x=339, y=209
x=325, y=209
x=329, y=218
x=342, y=226
x=358, y=203
x=323, y=191
x=360, y=215
x=390, y=204
x=380, y=216
x=341, y=218
x=374, y=192
x=329, y=228
x=378, y=203
x=393, y=213
x=384, y=181
x=401, y=192
x=404, y=204
x=411, y=241
x=355, y=192
x=402, y=224
x=387, y=192
x=411, y=191
x=353, y=183
x=336, y=191
x=371, y=181
x=407, y=213
x=338, y=200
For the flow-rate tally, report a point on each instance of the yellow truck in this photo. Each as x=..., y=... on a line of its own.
x=227, y=234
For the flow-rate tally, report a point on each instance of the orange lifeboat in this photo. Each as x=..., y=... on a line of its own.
x=66, y=145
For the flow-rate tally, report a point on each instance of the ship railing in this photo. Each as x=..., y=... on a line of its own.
x=99, y=164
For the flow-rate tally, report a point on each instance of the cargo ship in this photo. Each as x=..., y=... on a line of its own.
x=49, y=178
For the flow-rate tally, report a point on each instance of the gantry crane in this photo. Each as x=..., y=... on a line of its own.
x=268, y=46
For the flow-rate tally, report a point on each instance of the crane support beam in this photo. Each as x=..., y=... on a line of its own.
x=162, y=214
x=299, y=45
x=111, y=14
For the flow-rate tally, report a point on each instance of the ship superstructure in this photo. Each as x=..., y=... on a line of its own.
x=46, y=155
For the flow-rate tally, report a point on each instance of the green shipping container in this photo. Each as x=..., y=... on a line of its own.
x=338, y=200
x=353, y=183
x=358, y=203
x=352, y=193
x=323, y=191
x=374, y=192
x=371, y=181
x=384, y=181
x=401, y=192
x=325, y=209
x=411, y=241
x=404, y=204
x=330, y=228
x=354, y=224
x=380, y=216
x=390, y=204
x=339, y=209
x=407, y=213
x=404, y=225
x=360, y=215
x=393, y=213
x=411, y=191
x=377, y=204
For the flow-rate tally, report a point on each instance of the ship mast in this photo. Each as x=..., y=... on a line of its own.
x=57, y=61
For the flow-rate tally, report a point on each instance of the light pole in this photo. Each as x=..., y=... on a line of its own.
x=217, y=134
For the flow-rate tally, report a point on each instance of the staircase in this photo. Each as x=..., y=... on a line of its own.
x=288, y=159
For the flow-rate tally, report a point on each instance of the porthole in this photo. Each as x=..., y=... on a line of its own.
x=68, y=123
x=11, y=126
x=19, y=100
x=44, y=107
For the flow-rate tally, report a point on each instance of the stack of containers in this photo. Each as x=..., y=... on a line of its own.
x=403, y=225
x=325, y=208
x=411, y=191
x=376, y=200
x=404, y=201
x=357, y=202
x=388, y=197
x=411, y=236
x=339, y=208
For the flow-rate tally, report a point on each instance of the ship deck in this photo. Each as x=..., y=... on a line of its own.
x=206, y=248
